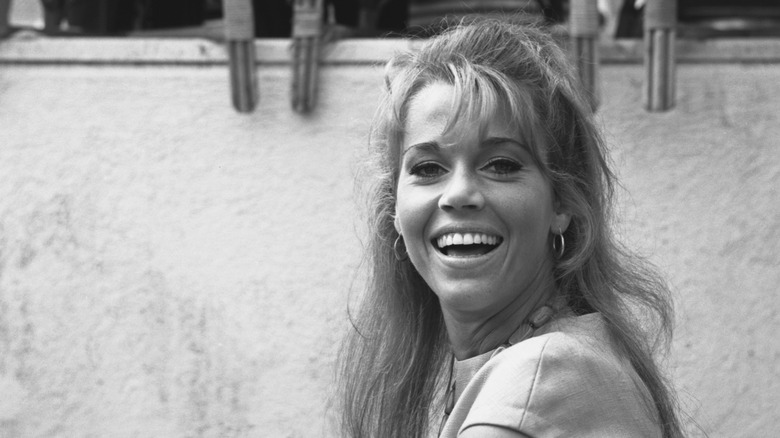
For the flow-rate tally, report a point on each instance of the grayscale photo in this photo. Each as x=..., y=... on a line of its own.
x=389, y=218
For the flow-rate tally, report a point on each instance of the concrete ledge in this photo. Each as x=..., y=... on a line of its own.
x=38, y=49
x=33, y=48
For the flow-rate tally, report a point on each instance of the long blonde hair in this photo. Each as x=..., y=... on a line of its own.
x=391, y=360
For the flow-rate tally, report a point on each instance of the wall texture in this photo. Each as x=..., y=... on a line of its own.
x=171, y=268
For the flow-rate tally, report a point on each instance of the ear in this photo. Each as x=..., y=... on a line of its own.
x=397, y=224
x=560, y=223
x=561, y=219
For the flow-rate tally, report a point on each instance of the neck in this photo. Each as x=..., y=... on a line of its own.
x=475, y=333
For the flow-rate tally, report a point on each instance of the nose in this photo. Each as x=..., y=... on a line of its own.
x=462, y=192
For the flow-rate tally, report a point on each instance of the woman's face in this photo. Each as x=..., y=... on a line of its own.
x=475, y=213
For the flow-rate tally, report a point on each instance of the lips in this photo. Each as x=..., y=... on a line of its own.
x=466, y=244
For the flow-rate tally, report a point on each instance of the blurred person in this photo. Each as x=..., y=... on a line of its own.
x=93, y=17
x=427, y=17
x=498, y=301
x=54, y=13
x=629, y=24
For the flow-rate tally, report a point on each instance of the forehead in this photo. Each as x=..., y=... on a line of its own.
x=439, y=112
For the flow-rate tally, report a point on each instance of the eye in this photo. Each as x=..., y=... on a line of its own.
x=502, y=166
x=427, y=169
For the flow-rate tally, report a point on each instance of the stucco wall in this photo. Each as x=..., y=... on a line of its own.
x=169, y=267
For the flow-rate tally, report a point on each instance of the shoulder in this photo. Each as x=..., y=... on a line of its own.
x=575, y=350
x=569, y=381
x=578, y=349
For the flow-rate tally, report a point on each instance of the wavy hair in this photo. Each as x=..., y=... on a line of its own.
x=391, y=360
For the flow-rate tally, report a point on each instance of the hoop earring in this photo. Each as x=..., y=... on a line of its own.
x=558, y=249
x=400, y=255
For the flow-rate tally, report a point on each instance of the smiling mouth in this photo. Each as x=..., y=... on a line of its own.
x=466, y=244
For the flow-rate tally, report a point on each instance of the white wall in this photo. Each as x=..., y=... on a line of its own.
x=169, y=267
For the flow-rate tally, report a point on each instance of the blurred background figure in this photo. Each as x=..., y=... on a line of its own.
x=112, y=17
x=729, y=18
x=426, y=16
x=629, y=22
x=367, y=18
x=709, y=18
x=54, y=12
x=97, y=17
x=343, y=18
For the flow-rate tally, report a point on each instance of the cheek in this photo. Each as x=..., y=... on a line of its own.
x=530, y=215
x=412, y=215
x=407, y=215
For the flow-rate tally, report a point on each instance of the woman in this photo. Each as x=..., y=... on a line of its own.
x=499, y=304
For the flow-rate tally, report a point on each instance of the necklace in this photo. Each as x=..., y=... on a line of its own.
x=538, y=318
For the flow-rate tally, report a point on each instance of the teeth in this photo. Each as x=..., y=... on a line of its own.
x=466, y=239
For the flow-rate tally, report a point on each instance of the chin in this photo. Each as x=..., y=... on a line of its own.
x=465, y=296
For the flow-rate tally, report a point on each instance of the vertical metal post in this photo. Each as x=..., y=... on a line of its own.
x=660, y=23
x=307, y=21
x=5, y=23
x=240, y=39
x=584, y=32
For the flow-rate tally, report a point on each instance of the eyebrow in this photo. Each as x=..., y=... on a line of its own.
x=432, y=146
x=426, y=146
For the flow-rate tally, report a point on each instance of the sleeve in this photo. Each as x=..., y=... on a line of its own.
x=557, y=386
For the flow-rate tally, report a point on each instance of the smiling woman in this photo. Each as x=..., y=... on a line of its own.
x=454, y=185
x=498, y=303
